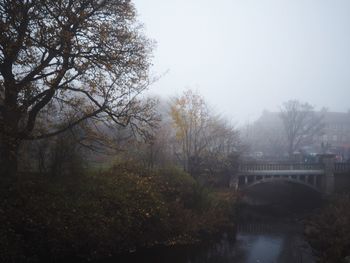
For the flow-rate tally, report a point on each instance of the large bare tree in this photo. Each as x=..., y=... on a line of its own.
x=301, y=123
x=63, y=62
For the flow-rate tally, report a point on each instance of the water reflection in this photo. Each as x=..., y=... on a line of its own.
x=254, y=243
x=261, y=248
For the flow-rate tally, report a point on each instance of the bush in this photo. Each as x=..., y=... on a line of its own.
x=329, y=230
x=174, y=184
x=91, y=217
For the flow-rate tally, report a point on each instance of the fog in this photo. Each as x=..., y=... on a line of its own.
x=244, y=56
x=94, y=169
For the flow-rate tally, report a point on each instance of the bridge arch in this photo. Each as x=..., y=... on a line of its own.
x=317, y=176
x=309, y=175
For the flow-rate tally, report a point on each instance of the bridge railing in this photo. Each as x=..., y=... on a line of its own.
x=245, y=167
x=342, y=167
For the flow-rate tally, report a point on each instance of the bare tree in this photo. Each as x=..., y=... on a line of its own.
x=190, y=117
x=201, y=134
x=63, y=62
x=301, y=124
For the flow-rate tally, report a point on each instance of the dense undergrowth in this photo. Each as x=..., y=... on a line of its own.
x=328, y=231
x=89, y=217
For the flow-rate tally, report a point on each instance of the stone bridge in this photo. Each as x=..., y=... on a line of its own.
x=320, y=176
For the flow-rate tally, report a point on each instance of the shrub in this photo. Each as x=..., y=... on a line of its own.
x=90, y=217
x=329, y=230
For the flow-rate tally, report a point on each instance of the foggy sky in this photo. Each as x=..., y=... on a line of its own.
x=244, y=56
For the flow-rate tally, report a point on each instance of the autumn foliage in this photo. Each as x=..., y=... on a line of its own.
x=328, y=231
x=97, y=216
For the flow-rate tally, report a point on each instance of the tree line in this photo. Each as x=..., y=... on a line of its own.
x=75, y=71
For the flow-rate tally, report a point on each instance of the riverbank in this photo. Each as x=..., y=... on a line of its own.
x=259, y=237
x=98, y=216
x=328, y=230
x=130, y=215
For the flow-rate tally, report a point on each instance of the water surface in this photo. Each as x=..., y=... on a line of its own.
x=253, y=243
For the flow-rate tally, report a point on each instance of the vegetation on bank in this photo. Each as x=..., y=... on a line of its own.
x=151, y=188
x=328, y=231
x=90, y=217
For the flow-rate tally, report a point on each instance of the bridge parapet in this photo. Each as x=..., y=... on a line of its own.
x=249, y=167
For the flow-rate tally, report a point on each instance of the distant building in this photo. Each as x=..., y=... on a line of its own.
x=335, y=136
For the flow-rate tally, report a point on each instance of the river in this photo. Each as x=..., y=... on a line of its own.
x=271, y=232
x=254, y=242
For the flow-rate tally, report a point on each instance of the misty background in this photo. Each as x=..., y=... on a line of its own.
x=247, y=56
x=216, y=147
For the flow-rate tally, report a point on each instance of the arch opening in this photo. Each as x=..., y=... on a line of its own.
x=288, y=196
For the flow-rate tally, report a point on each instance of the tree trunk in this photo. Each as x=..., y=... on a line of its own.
x=8, y=156
x=9, y=141
x=290, y=150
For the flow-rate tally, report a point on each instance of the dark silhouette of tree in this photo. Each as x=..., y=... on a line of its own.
x=301, y=123
x=63, y=62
